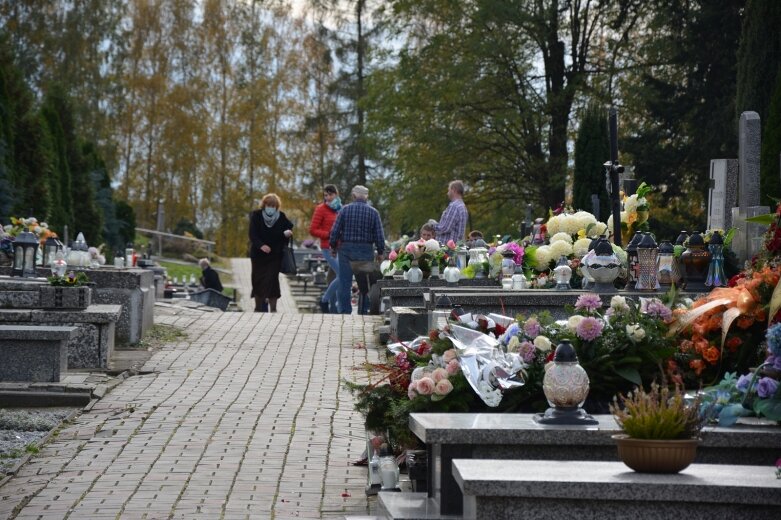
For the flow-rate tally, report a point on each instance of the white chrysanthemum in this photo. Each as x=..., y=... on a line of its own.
x=542, y=257
x=580, y=248
x=559, y=248
x=630, y=204
x=618, y=304
x=598, y=229
x=568, y=224
x=565, y=237
x=583, y=220
x=574, y=321
x=542, y=343
x=553, y=225
x=620, y=253
x=432, y=245
x=635, y=332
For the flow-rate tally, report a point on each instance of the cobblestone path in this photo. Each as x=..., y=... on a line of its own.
x=245, y=418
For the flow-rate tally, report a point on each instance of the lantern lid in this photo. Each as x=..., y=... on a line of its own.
x=603, y=247
x=26, y=238
x=565, y=353
x=635, y=242
x=681, y=238
x=696, y=239
x=716, y=239
x=646, y=242
x=666, y=247
x=80, y=244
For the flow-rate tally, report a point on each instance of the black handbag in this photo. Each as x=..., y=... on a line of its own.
x=288, y=261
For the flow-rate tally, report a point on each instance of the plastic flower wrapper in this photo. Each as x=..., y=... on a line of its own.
x=488, y=369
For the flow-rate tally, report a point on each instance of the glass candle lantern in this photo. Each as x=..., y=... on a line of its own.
x=462, y=257
x=696, y=260
x=647, y=252
x=59, y=265
x=389, y=473
x=603, y=266
x=452, y=274
x=414, y=275
x=50, y=248
x=25, y=249
x=667, y=270
x=562, y=273
x=716, y=277
x=565, y=385
x=477, y=258
x=633, y=260
x=508, y=264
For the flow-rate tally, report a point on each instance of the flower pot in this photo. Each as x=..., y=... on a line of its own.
x=656, y=456
x=65, y=297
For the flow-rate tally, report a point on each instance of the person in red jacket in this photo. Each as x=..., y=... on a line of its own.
x=320, y=227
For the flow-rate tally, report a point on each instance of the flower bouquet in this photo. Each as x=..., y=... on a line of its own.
x=755, y=393
x=427, y=253
x=635, y=213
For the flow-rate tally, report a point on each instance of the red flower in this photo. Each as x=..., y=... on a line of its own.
x=733, y=343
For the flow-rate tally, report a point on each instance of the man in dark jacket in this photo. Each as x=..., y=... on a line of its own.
x=210, y=279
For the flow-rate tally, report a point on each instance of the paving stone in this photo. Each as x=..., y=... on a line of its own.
x=244, y=419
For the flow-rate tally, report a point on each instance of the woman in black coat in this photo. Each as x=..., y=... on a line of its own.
x=269, y=231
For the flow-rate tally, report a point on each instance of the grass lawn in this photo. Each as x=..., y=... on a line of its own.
x=181, y=270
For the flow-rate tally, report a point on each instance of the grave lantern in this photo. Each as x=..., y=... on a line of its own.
x=716, y=276
x=565, y=386
x=25, y=250
x=562, y=274
x=647, y=252
x=50, y=248
x=696, y=260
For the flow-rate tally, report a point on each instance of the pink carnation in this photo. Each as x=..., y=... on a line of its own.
x=449, y=355
x=444, y=387
x=451, y=244
x=453, y=367
x=393, y=256
x=410, y=248
x=425, y=386
x=439, y=374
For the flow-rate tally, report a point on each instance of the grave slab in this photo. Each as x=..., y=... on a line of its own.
x=34, y=353
x=583, y=489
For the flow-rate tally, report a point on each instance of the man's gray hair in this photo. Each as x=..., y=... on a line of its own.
x=203, y=263
x=360, y=192
x=457, y=186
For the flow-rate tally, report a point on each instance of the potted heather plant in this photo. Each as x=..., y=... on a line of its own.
x=661, y=429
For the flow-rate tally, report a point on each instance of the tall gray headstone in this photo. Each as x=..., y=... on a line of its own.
x=723, y=193
x=749, y=144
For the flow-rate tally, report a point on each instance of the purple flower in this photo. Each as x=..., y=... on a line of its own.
x=743, y=383
x=589, y=302
x=767, y=387
x=777, y=362
x=589, y=329
x=532, y=328
x=527, y=350
x=655, y=308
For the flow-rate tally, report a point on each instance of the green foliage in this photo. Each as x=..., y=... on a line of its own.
x=188, y=226
x=770, y=177
x=126, y=222
x=657, y=414
x=592, y=149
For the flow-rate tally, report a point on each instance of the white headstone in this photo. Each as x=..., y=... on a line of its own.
x=723, y=193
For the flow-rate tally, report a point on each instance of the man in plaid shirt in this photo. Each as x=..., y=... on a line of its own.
x=355, y=234
x=452, y=224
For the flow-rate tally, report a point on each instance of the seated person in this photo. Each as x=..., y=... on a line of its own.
x=475, y=239
x=210, y=278
x=427, y=232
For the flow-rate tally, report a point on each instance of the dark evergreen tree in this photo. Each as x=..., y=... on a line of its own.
x=126, y=219
x=592, y=149
x=759, y=59
x=61, y=198
x=771, y=148
x=101, y=185
x=6, y=151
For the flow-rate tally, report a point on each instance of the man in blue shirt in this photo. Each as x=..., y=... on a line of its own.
x=452, y=224
x=355, y=234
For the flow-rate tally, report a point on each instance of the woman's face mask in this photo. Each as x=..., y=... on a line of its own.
x=335, y=203
x=270, y=212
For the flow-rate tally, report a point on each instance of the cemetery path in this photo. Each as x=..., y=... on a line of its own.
x=244, y=418
x=242, y=279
